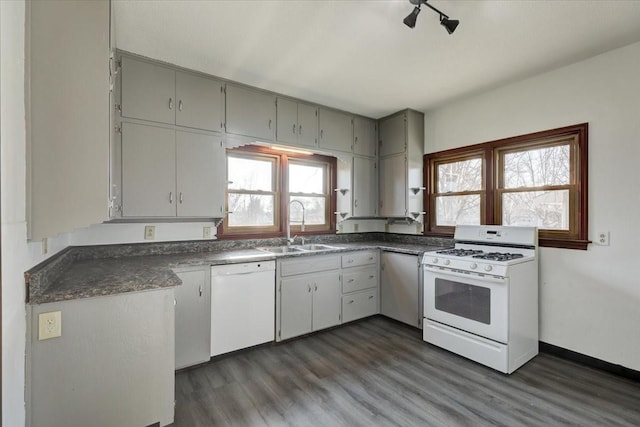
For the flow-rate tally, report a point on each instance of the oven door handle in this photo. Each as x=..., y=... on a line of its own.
x=484, y=278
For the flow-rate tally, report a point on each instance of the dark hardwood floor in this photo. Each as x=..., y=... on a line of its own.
x=378, y=372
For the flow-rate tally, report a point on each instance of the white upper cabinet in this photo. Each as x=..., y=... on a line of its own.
x=336, y=130
x=250, y=112
x=160, y=94
x=365, y=188
x=393, y=135
x=68, y=115
x=401, y=170
x=168, y=173
x=297, y=123
x=200, y=102
x=148, y=91
x=364, y=137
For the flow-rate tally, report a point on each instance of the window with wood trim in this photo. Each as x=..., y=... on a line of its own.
x=538, y=179
x=261, y=185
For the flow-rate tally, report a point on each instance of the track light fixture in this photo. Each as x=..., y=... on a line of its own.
x=410, y=21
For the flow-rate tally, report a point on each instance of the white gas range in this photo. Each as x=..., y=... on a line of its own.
x=481, y=298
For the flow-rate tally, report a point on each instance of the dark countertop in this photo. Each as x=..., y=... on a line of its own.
x=82, y=272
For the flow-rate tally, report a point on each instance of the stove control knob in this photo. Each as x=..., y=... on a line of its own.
x=474, y=266
x=488, y=268
x=434, y=260
x=447, y=262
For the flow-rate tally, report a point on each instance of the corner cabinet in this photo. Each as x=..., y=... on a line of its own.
x=250, y=112
x=401, y=148
x=400, y=292
x=171, y=173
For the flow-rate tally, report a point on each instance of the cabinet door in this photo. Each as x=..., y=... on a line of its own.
x=193, y=322
x=364, y=137
x=336, y=130
x=200, y=174
x=295, y=306
x=148, y=171
x=200, y=102
x=365, y=187
x=148, y=91
x=251, y=112
x=393, y=135
x=307, y=125
x=327, y=300
x=393, y=186
x=400, y=288
x=287, y=126
x=344, y=188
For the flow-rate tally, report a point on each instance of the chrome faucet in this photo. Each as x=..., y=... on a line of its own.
x=289, y=239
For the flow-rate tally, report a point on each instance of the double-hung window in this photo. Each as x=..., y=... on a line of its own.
x=536, y=180
x=265, y=187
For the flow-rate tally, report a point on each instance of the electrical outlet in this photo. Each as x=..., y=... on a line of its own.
x=340, y=228
x=602, y=238
x=206, y=232
x=49, y=325
x=45, y=248
x=149, y=232
x=355, y=227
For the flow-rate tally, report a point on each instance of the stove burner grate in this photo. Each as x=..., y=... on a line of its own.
x=497, y=256
x=461, y=252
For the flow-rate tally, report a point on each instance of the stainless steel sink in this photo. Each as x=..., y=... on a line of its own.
x=282, y=249
x=316, y=247
x=313, y=247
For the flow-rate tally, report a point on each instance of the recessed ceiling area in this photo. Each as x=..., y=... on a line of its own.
x=358, y=56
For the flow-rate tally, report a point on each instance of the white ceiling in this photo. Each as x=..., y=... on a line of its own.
x=358, y=56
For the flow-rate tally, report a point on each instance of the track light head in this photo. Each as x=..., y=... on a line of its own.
x=410, y=20
x=449, y=24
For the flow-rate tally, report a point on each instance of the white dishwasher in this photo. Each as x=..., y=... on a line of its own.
x=243, y=299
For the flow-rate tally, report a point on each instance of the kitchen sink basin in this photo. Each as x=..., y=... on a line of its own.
x=316, y=247
x=282, y=249
x=313, y=247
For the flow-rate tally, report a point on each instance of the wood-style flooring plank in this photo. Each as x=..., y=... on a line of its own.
x=378, y=372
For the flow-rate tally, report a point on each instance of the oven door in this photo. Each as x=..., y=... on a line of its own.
x=473, y=303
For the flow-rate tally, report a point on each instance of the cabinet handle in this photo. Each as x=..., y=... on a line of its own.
x=321, y=133
x=350, y=280
x=356, y=140
x=200, y=290
x=350, y=261
x=181, y=197
x=372, y=276
x=315, y=285
x=170, y=103
x=350, y=302
x=170, y=197
x=299, y=129
x=269, y=123
x=309, y=286
x=370, y=296
x=180, y=105
x=294, y=129
x=355, y=203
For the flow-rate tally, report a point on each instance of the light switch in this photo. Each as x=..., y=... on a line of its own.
x=149, y=232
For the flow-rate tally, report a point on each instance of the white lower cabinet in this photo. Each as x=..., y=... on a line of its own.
x=192, y=318
x=309, y=303
x=400, y=297
x=359, y=304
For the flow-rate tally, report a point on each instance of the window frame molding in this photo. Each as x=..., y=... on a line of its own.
x=490, y=152
x=223, y=233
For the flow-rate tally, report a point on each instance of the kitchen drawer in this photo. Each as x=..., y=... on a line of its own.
x=356, y=259
x=311, y=264
x=359, y=305
x=356, y=279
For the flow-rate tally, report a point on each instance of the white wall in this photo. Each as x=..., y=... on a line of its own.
x=589, y=300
